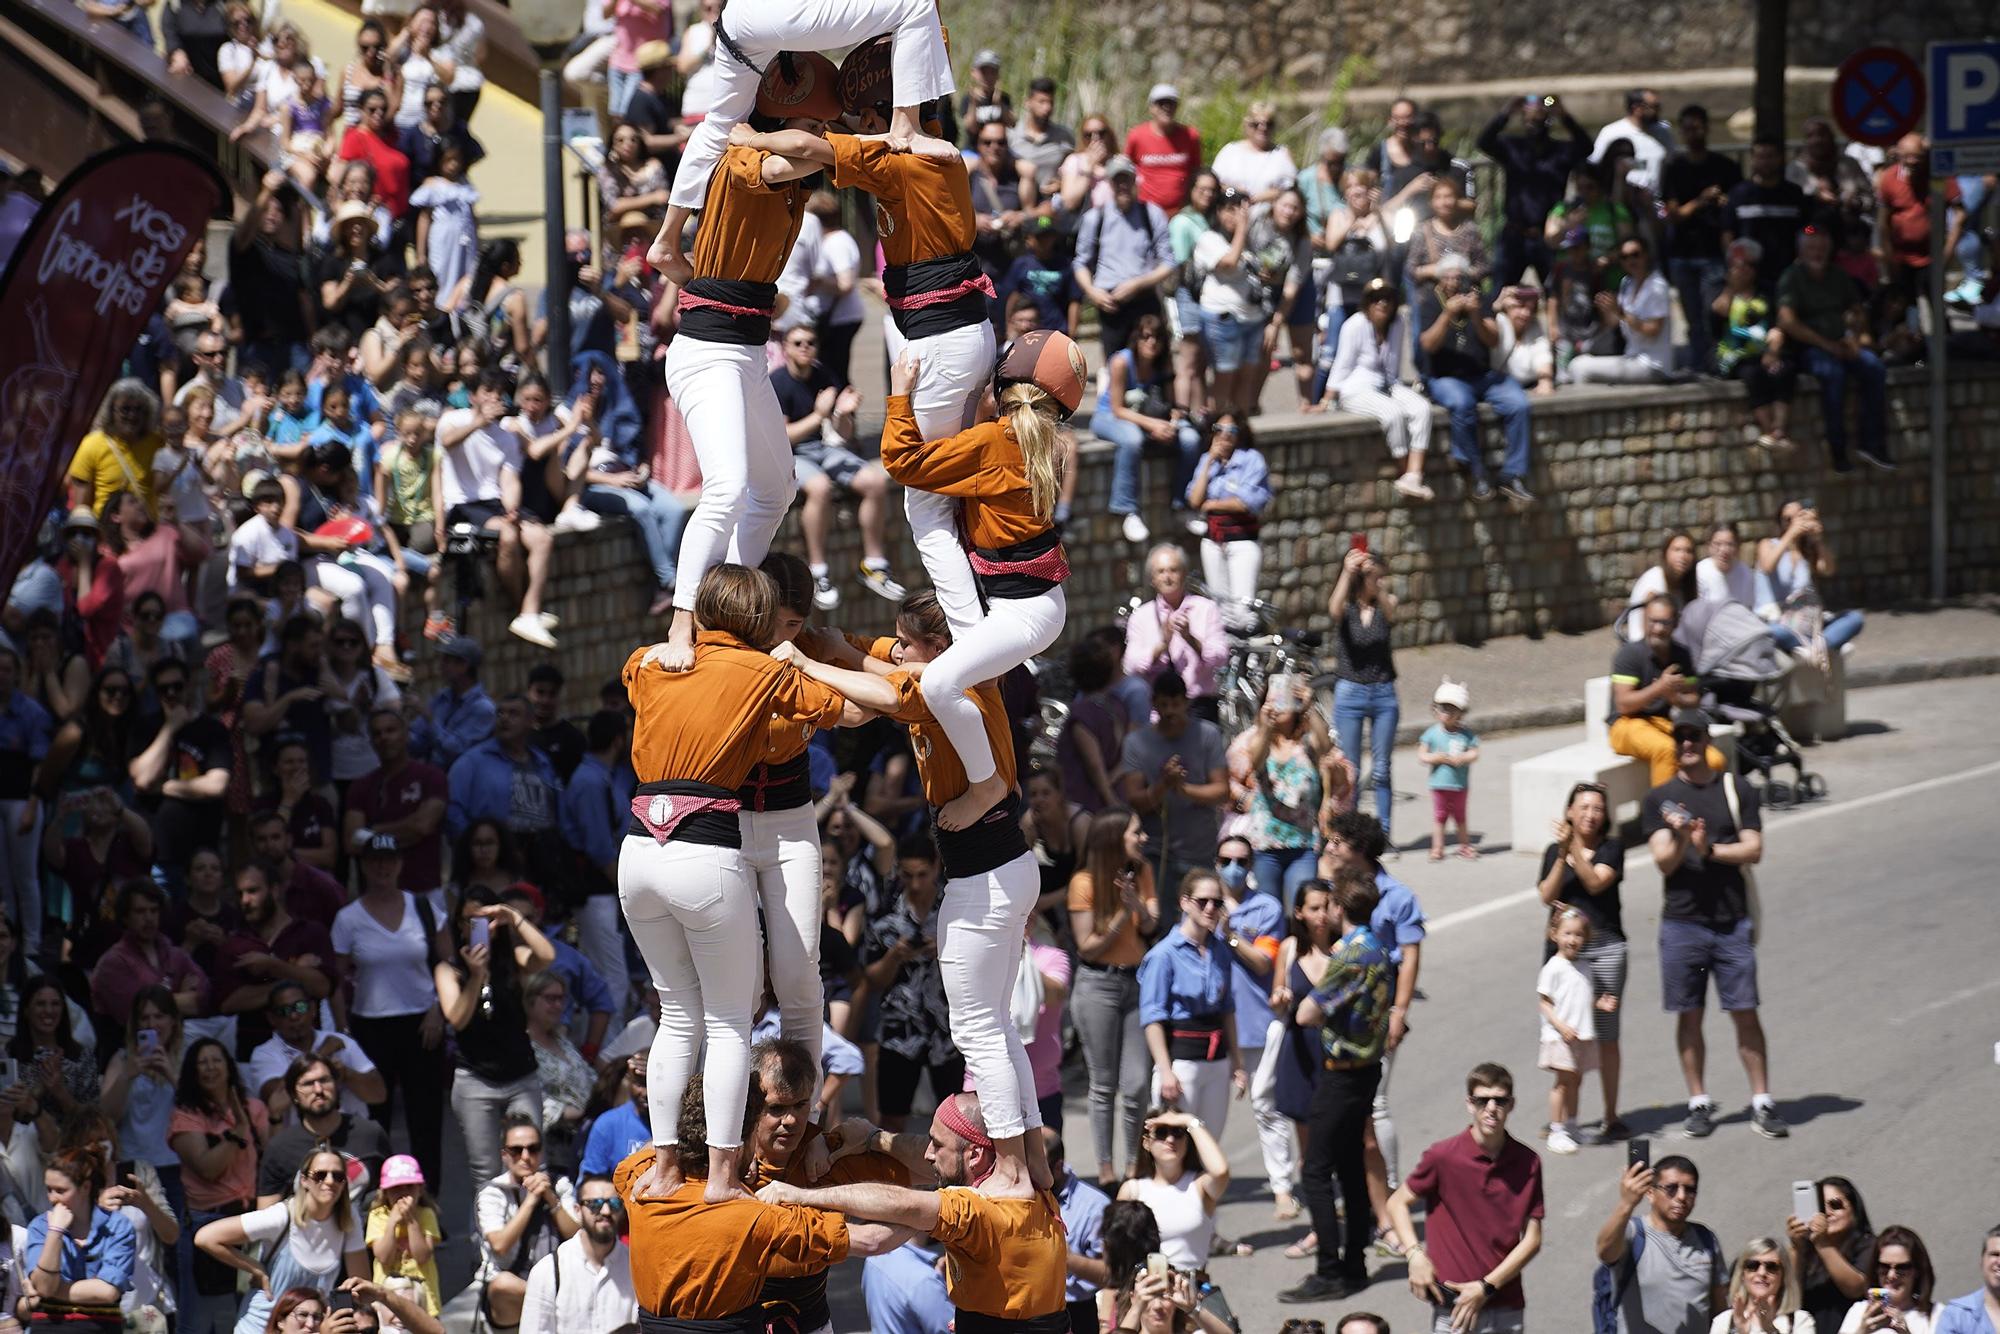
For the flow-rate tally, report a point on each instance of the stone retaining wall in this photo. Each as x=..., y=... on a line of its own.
x=1615, y=470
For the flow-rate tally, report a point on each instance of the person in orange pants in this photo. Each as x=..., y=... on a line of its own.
x=1649, y=680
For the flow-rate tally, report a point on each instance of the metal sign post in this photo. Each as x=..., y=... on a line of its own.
x=1939, y=426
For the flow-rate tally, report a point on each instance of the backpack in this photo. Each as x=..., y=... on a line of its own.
x=1356, y=263
x=1608, y=1284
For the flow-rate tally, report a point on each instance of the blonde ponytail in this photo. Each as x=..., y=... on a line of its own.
x=1031, y=413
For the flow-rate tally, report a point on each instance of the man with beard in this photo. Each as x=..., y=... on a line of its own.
x=313, y=1086
x=311, y=895
x=586, y=1284
x=293, y=1017
x=272, y=947
x=1007, y=1252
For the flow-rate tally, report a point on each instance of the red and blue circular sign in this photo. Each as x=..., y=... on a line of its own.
x=1878, y=96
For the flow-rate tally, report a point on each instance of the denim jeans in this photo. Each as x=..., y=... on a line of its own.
x=1280, y=872
x=1869, y=377
x=1353, y=705
x=1129, y=444
x=1837, y=631
x=660, y=518
x=1972, y=193
x=1461, y=399
x=1698, y=282
x=622, y=84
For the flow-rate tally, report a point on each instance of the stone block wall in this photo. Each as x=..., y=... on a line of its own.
x=1615, y=470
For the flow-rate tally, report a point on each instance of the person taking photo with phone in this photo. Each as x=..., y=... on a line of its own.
x=1668, y=1272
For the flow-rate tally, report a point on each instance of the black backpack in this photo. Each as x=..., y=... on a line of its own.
x=1356, y=263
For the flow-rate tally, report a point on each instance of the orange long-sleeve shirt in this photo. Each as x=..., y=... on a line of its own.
x=733, y=708
x=747, y=227
x=923, y=206
x=938, y=765
x=1005, y=1258
x=981, y=466
x=699, y=1261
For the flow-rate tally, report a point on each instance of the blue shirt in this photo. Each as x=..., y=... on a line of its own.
x=1397, y=920
x=107, y=1254
x=1051, y=287
x=613, y=1137
x=485, y=784
x=1245, y=477
x=457, y=724
x=905, y=1293
x=360, y=442
x=1966, y=1315
x=837, y=1056
x=1082, y=1207
x=25, y=727
x=593, y=815
x=1179, y=980
x=1258, y=916
x=583, y=985
x=1440, y=740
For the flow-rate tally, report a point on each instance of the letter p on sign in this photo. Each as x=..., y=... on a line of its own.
x=1964, y=80
x=1971, y=80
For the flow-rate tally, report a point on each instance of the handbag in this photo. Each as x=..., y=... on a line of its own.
x=1030, y=993
x=1750, y=897
x=1356, y=263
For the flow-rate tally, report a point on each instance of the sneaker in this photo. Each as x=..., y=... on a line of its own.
x=1516, y=491
x=531, y=629
x=1966, y=293
x=1701, y=1121
x=1766, y=1122
x=878, y=580
x=1136, y=531
x=1412, y=486
x=1318, y=1288
x=1561, y=1141
x=1482, y=489
x=825, y=596
x=549, y=619
x=577, y=519
x=1197, y=526
x=1874, y=460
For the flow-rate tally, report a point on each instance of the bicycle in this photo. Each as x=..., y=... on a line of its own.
x=1256, y=657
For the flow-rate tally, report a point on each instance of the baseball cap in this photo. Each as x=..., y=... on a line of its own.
x=1163, y=92
x=1119, y=166
x=401, y=1169
x=382, y=845
x=986, y=59
x=81, y=517
x=463, y=647
x=1690, y=719
x=1453, y=694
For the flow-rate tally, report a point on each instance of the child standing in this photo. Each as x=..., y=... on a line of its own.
x=403, y=1232
x=1569, y=1029
x=1450, y=749
x=447, y=229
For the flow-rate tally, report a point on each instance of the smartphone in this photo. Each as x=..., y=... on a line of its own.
x=1357, y=542
x=149, y=1041
x=1156, y=1264
x=1639, y=1153
x=1805, y=1200
x=1878, y=1295
x=482, y=931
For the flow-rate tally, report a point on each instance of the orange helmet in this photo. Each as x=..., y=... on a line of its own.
x=1050, y=361
x=800, y=83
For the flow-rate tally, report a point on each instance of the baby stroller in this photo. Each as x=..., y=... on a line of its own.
x=1744, y=681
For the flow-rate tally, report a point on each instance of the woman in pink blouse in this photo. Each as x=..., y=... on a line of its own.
x=1178, y=629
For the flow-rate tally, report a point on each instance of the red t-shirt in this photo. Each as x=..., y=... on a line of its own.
x=1476, y=1207
x=381, y=803
x=313, y=896
x=1166, y=161
x=391, y=164
x=1906, y=205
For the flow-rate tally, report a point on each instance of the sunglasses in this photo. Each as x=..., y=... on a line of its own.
x=1895, y=1267
x=294, y=1009
x=1205, y=904
x=327, y=1176
x=1491, y=1099
x=603, y=1205
x=1232, y=861
x=1166, y=1134
x=116, y=692
x=522, y=1150
x=994, y=143
x=1762, y=1267
x=1678, y=1188
x=1257, y=124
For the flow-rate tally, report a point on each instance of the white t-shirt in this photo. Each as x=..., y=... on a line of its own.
x=1738, y=585
x=1649, y=299
x=1253, y=170
x=472, y=467
x=1570, y=991
x=840, y=253
x=1226, y=291
x=274, y=1056
x=1917, y=1322
x=796, y=278
x=1649, y=152
x=256, y=542
x=232, y=60
x=187, y=488
x=699, y=89
x=462, y=40
x=319, y=1245
x=392, y=975
x=1524, y=359
x=1186, y=1225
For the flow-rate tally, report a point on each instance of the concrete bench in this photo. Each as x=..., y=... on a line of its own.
x=1816, y=708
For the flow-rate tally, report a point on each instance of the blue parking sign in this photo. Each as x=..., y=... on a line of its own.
x=1964, y=92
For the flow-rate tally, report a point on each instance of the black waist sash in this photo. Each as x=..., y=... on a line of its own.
x=986, y=844
x=715, y=829
x=1024, y=569
x=798, y=1302
x=907, y=284
x=783, y=786
x=978, y=1322
x=750, y=1320
x=1199, y=1038
x=728, y=310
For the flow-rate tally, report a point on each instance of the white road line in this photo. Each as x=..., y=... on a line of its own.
x=1946, y=1002
x=1785, y=821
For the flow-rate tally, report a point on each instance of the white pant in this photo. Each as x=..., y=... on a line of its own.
x=1590, y=369
x=781, y=851
x=1204, y=1091
x=982, y=928
x=20, y=876
x=585, y=64
x=600, y=940
x=366, y=596
x=1231, y=569
x=693, y=910
x=1015, y=629
x=1276, y=1134
x=1385, y=1128
x=953, y=369
x=1404, y=413
x=761, y=31
x=724, y=394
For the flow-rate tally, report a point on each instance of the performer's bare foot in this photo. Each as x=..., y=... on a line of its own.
x=662, y=1179
x=906, y=135
x=1009, y=1179
x=966, y=810
x=723, y=1182
x=665, y=252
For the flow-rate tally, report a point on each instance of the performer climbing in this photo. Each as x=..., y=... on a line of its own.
x=749, y=41
x=687, y=894
x=698, y=1265
x=991, y=879
x=1007, y=473
x=937, y=295
x=716, y=373
x=1007, y=1256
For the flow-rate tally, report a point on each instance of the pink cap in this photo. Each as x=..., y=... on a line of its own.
x=401, y=1170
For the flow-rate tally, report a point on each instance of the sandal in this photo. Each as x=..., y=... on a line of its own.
x=1287, y=1208
x=1387, y=1246
x=1304, y=1248
x=1437, y=854
x=1468, y=852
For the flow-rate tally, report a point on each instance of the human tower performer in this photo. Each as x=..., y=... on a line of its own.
x=727, y=703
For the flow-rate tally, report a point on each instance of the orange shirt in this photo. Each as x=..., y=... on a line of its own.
x=747, y=227
x=1125, y=949
x=938, y=766
x=713, y=722
x=869, y=1166
x=923, y=206
x=981, y=466
x=1005, y=1258
x=698, y=1261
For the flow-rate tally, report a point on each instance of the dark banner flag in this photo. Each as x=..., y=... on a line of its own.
x=78, y=290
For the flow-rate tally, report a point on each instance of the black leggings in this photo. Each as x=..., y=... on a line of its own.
x=396, y=1045
x=896, y=1080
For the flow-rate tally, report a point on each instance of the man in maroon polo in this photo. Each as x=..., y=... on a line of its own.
x=1482, y=1194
